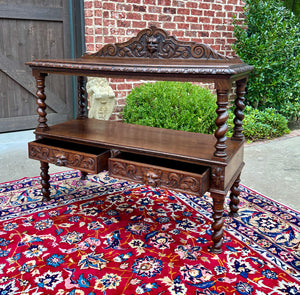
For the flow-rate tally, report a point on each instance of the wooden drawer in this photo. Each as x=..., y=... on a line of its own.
x=85, y=158
x=170, y=174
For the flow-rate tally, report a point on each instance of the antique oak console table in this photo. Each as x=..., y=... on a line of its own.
x=178, y=160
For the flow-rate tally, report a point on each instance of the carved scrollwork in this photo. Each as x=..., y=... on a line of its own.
x=118, y=168
x=183, y=182
x=131, y=171
x=61, y=158
x=36, y=151
x=155, y=176
x=110, y=50
x=190, y=183
x=156, y=43
x=173, y=180
x=198, y=50
x=83, y=162
x=125, y=170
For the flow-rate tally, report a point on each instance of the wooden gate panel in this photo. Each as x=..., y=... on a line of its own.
x=10, y=103
x=38, y=29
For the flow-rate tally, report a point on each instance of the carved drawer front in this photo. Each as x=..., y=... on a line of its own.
x=85, y=158
x=170, y=174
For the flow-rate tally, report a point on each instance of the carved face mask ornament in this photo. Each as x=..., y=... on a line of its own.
x=152, y=44
x=151, y=177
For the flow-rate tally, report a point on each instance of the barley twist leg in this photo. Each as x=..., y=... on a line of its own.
x=238, y=111
x=81, y=98
x=222, y=128
x=217, y=226
x=234, y=198
x=41, y=97
x=45, y=181
x=83, y=175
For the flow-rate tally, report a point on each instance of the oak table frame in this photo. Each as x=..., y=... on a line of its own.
x=186, y=161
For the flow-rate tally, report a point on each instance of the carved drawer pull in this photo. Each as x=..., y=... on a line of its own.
x=61, y=160
x=152, y=177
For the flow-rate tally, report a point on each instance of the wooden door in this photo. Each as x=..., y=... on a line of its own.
x=32, y=29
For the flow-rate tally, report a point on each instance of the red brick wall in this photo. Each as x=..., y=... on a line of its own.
x=115, y=21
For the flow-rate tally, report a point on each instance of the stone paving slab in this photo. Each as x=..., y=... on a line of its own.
x=272, y=168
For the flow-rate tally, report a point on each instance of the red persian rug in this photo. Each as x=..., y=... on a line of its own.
x=106, y=236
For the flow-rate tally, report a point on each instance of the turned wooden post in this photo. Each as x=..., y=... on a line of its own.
x=238, y=111
x=222, y=88
x=84, y=175
x=45, y=181
x=234, y=198
x=217, y=226
x=41, y=97
x=218, y=173
x=218, y=195
x=82, y=109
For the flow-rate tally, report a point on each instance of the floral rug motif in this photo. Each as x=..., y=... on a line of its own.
x=106, y=236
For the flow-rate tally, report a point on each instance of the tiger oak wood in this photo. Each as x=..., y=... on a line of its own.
x=151, y=55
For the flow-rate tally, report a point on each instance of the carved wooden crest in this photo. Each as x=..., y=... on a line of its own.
x=156, y=43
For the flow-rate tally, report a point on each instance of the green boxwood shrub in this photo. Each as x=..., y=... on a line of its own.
x=266, y=124
x=188, y=107
x=269, y=39
x=172, y=105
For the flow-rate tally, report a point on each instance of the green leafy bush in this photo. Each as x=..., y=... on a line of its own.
x=258, y=124
x=188, y=107
x=269, y=39
x=172, y=105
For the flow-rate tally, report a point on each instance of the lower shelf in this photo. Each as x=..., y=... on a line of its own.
x=170, y=174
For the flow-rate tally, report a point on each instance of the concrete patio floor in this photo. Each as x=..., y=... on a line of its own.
x=271, y=167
